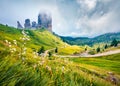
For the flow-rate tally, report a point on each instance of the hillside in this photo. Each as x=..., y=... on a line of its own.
x=110, y=62
x=105, y=38
x=20, y=65
x=37, y=38
x=101, y=66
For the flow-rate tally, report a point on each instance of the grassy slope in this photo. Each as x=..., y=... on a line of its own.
x=70, y=50
x=31, y=69
x=101, y=65
x=111, y=62
x=44, y=38
x=38, y=38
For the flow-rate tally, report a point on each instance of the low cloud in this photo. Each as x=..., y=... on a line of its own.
x=90, y=4
x=99, y=20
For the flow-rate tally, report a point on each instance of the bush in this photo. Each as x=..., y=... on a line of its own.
x=56, y=50
x=92, y=52
x=50, y=54
x=41, y=50
x=98, y=49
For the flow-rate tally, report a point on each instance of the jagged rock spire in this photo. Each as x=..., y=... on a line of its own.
x=45, y=20
x=27, y=23
x=34, y=24
x=19, y=25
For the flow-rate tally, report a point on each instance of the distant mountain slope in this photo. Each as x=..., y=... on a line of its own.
x=105, y=38
x=38, y=38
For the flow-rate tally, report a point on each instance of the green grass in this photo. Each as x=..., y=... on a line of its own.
x=111, y=63
x=29, y=69
x=38, y=38
x=70, y=50
x=100, y=66
x=44, y=72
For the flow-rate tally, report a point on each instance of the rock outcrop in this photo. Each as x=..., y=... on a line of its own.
x=19, y=25
x=34, y=24
x=27, y=23
x=44, y=21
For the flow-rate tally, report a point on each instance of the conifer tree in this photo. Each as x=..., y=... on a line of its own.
x=98, y=49
x=114, y=43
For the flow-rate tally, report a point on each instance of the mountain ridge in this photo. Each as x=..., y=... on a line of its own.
x=104, y=38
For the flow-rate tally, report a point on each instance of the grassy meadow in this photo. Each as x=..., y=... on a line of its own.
x=20, y=64
x=101, y=65
x=111, y=62
x=70, y=50
x=39, y=37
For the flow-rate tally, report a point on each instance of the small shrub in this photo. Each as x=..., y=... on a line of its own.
x=92, y=52
x=98, y=50
x=41, y=50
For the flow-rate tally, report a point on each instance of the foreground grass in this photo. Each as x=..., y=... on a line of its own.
x=44, y=72
x=101, y=66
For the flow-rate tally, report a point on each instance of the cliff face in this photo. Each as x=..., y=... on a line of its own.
x=45, y=20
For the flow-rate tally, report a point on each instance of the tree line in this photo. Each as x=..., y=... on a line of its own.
x=114, y=43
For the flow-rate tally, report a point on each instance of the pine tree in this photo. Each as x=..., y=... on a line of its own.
x=98, y=49
x=114, y=43
x=86, y=49
x=106, y=46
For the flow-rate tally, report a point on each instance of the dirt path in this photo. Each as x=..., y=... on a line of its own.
x=104, y=53
x=85, y=54
x=46, y=52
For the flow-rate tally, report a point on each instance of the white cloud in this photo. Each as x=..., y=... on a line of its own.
x=77, y=34
x=103, y=18
x=96, y=26
x=90, y=4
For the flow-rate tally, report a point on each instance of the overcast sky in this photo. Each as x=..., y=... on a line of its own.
x=76, y=18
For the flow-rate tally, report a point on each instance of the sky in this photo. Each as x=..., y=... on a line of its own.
x=76, y=18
